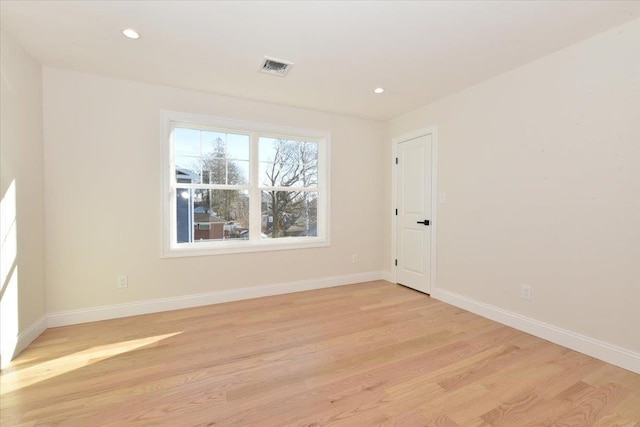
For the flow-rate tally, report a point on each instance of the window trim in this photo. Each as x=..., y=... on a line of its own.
x=170, y=247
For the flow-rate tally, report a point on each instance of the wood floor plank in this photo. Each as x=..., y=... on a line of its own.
x=367, y=354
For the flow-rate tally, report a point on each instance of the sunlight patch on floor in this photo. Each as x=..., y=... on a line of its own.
x=12, y=381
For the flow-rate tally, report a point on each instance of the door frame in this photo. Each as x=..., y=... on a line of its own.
x=428, y=130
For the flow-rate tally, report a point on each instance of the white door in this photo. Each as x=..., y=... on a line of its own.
x=413, y=222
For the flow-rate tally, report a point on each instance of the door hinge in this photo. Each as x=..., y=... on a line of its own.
x=396, y=160
x=396, y=262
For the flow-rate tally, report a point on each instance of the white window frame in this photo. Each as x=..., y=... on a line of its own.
x=170, y=247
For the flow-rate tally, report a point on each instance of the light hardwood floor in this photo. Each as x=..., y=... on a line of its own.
x=359, y=355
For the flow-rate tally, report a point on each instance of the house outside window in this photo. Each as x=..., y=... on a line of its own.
x=231, y=186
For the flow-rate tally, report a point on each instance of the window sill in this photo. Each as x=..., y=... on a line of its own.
x=245, y=246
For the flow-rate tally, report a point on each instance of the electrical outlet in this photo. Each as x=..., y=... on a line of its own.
x=354, y=259
x=123, y=281
x=525, y=292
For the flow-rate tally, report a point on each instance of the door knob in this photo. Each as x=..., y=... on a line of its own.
x=425, y=222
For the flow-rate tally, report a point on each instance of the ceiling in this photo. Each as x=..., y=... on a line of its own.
x=342, y=50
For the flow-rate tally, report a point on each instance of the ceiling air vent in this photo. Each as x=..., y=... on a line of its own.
x=277, y=67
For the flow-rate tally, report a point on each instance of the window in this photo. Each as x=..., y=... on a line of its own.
x=234, y=186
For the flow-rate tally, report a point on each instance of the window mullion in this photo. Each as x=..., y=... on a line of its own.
x=212, y=186
x=294, y=189
x=255, y=201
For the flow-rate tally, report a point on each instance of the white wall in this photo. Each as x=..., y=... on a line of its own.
x=541, y=168
x=21, y=187
x=102, y=170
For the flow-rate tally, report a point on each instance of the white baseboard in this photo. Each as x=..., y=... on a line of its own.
x=93, y=314
x=388, y=276
x=592, y=347
x=601, y=350
x=13, y=348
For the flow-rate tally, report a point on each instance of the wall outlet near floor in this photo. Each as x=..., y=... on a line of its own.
x=123, y=281
x=354, y=259
x=525, y=292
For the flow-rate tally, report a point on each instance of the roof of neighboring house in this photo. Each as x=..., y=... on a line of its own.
x=183, y=173
x=206, y=218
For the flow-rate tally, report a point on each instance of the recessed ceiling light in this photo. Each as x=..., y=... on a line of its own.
x=378, y=90
x=132, y=34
